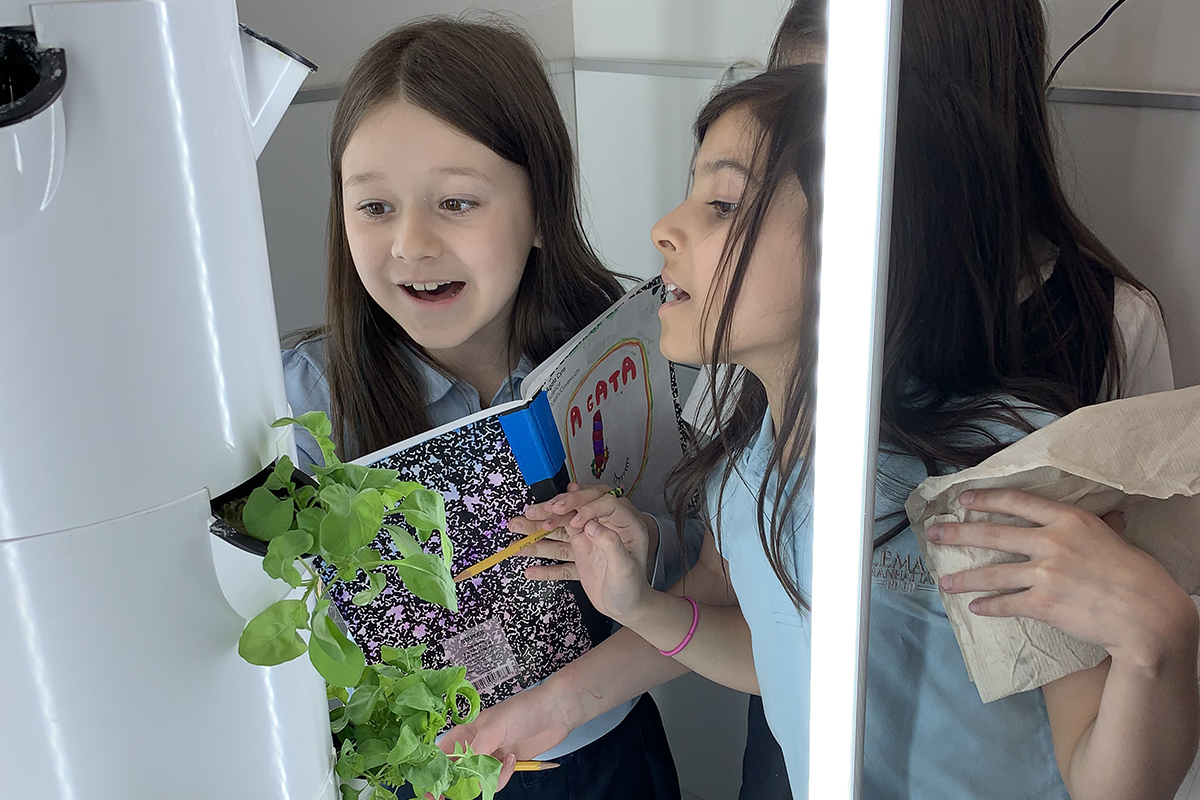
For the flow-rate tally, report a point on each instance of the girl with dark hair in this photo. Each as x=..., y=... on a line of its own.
x=456, y=262
x=741, y=257
x=1090, y=326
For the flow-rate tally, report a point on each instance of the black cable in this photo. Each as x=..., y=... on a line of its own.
x=1083, y=39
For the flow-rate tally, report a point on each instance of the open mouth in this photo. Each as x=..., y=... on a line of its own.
x=433, y=291
x=675, y=294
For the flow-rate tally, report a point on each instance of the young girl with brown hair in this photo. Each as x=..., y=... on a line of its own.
x=1091, y=325
x=457, y=261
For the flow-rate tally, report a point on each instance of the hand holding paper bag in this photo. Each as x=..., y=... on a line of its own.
x=1140, y=456
x=1080, y=576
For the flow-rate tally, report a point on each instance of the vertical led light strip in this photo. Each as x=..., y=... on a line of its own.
x=863, y=62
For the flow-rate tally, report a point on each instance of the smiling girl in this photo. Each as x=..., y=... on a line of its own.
x=456, y=262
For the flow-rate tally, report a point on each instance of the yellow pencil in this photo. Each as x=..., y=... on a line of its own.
x=508, y=552
x=512, y=549
x=534, y=766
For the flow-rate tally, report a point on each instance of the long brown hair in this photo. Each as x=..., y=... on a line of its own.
x=976, y=187
x=486, y=80
x=788, y=106
x=1065, y=330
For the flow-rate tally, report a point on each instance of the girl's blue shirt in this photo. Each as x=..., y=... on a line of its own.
x=928, y=735
x=445, y=399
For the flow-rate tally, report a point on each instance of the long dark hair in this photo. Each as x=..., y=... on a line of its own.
x=981, y=191
x=486, y=80
x=973, y=331
x=788, y=106
x=992, y=56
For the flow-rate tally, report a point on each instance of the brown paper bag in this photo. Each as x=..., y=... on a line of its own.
x=1140, y=455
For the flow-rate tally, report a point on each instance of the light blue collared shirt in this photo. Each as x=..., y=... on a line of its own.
x=928, y=735
x=448, y=399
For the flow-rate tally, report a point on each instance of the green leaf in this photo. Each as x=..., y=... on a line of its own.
x=350, y=764
x=428, y=577
x=355, y=476
x=374, y=752
x=338, y=660
x=362, y=704
x=328, y=450
x=281, y=476
x=304, y=497
x=447, y=549
x=350, y=792
x=433, y=776
x=367, y=596
x=418, y=697
x=388, y=675
x=309, y=520
x=407, y=659
x=383, y=793
x=353, y=520
x=321, y=631
x=337, y=693
x=477, y=774
x=282, y=552
x=266, y=516
x=405, y=488
x=394, y=493
x=407, y=744
x=338, y=719
x=365, y=555
x=466, y=691
x=404, y=541
x=379, y=478
x=315, y=422
x=336, y=499
x=271, y=637
x=443, y=682
x=425, y=511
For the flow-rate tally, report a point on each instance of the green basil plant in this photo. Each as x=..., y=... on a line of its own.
x=388, y=724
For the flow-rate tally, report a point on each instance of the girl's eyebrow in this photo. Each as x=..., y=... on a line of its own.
x=360, y=178
x=711, y=167
x=469, y=172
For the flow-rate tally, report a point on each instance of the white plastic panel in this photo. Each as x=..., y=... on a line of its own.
x=121, y=675
x=31, y=162
x=272, y=80
x=136, y=309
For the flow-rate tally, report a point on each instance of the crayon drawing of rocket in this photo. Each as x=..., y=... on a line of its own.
x=599, y=449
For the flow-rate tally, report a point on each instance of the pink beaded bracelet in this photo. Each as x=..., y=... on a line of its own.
x=688, y=638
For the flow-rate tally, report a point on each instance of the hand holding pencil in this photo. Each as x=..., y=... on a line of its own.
x=549, y=528
x=573, y=510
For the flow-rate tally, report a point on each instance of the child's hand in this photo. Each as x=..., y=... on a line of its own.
x=1081, y=577
x=609, y=544
x=638, y=531
x=526, y=724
